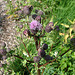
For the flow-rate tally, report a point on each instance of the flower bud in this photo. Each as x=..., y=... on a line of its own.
x=3, y=52
x=41, y=52
x=30, y=8
x=1, y=65
x=47, y=58
x=72, y=41
x=44, y=46
x=36, y=11
x=34, y=16
x=26, y=32
x=36, y=59
x=49, y=27
x=57, y=28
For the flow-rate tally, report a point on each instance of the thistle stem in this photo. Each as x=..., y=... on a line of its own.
x=51, y=49
x=23, y=59
x=54, y=59
x=24, y=45
x=26, y=49
x=37, y=45
x=38, y=71
x=36, y=42
x=65, y=52
x=28, y=69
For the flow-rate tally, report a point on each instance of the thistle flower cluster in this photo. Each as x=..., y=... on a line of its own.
x=36, y=26
x=42, y=54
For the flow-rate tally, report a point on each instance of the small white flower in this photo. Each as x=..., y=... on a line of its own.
x=25, y=54
x=55, y=53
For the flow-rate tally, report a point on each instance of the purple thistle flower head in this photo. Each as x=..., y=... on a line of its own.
x=35, y=25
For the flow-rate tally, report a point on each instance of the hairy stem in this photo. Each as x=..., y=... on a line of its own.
x=26, y=49
x=36, y=42
x=23, y=59
x=51, y=49
x=28, y=69
x=37, y=46
x=38, y=71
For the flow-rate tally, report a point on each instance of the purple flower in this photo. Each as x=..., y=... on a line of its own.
x=35, y=25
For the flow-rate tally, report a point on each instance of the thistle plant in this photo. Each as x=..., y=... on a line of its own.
x=33, y=55
x=36, y=31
